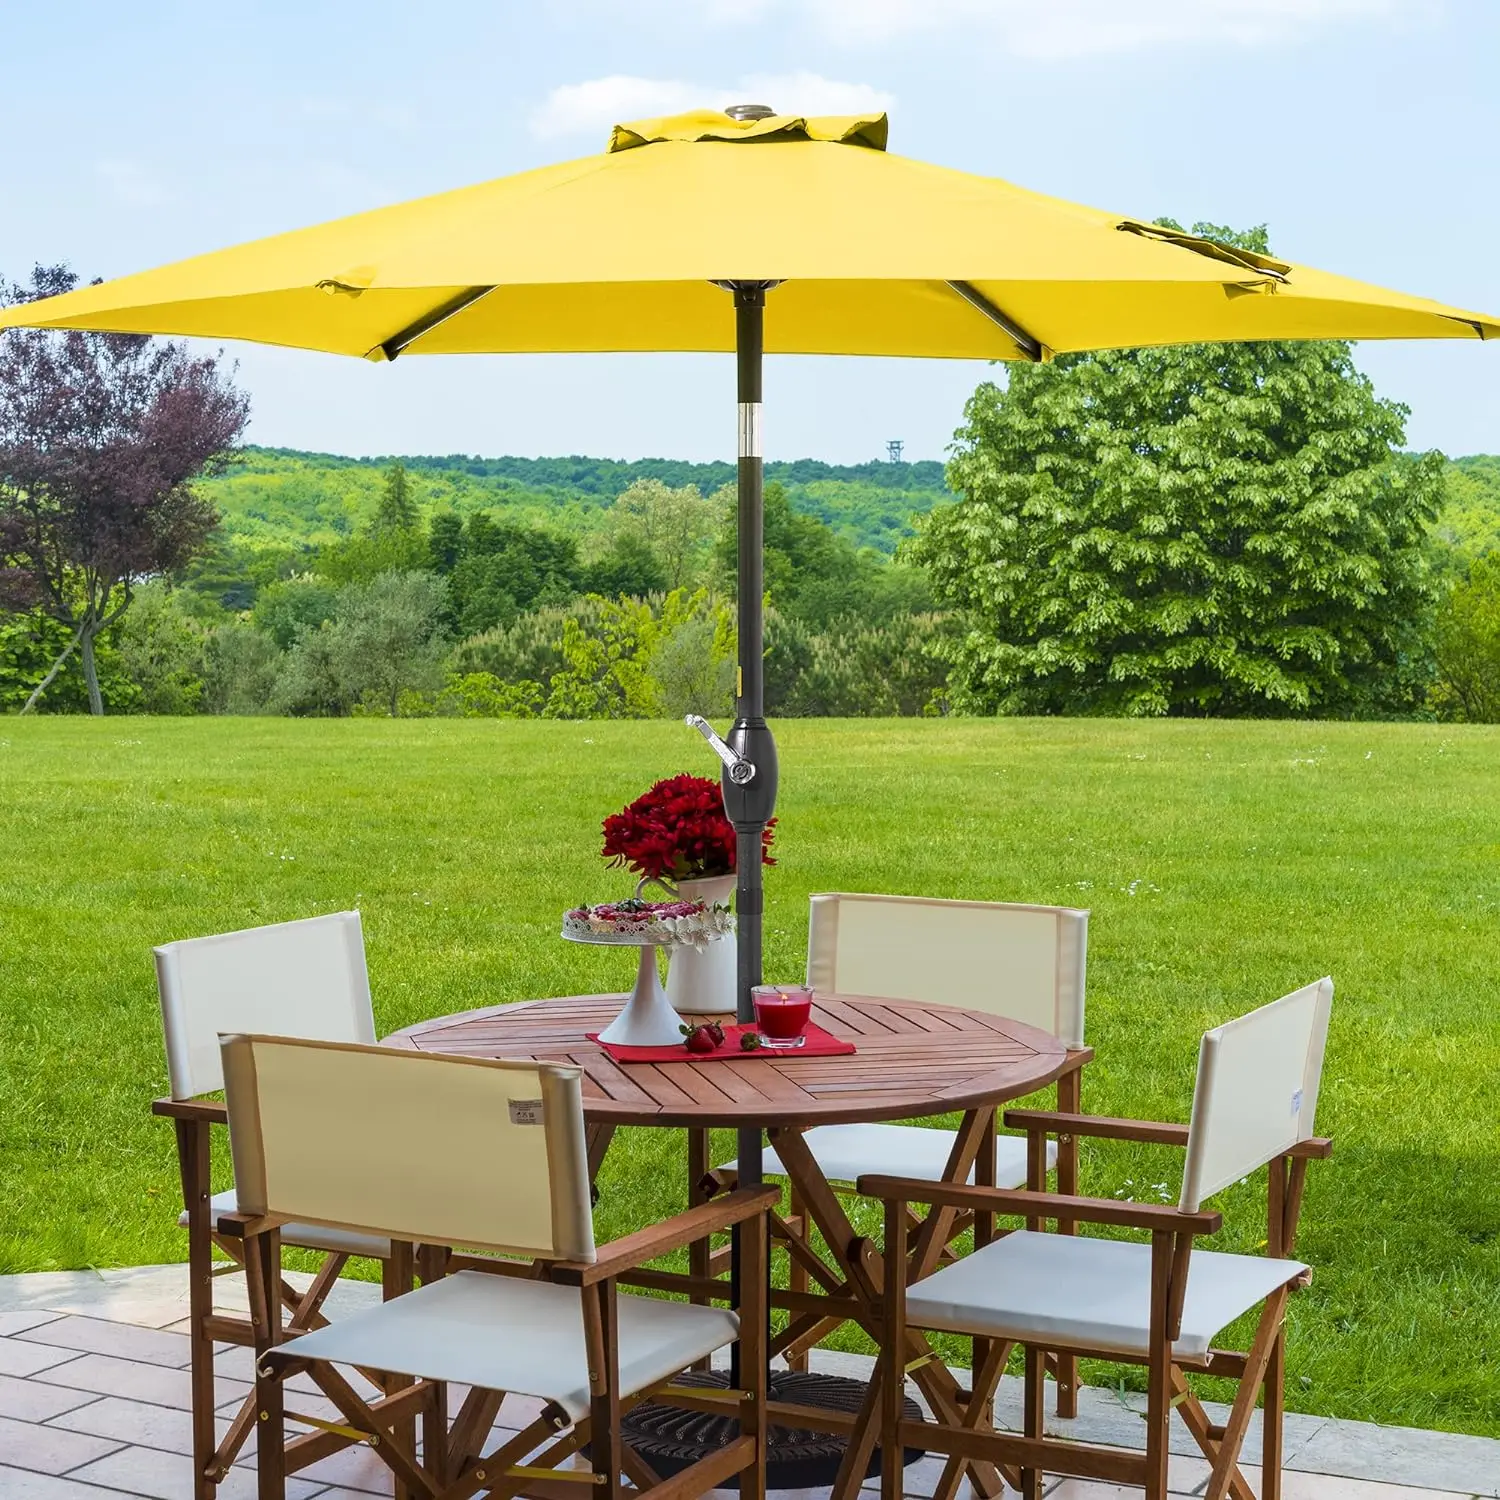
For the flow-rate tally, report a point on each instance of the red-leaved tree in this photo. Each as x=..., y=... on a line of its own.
x=101, y=438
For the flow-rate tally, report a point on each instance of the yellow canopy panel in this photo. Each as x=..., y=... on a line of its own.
x=879, y=254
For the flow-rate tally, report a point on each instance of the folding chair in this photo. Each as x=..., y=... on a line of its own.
x=306, y=978
x=1160, y=1305
x=1022, y=963
x=491, y=1156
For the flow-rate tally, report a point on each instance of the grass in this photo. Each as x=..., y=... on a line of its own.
x=1224, y=865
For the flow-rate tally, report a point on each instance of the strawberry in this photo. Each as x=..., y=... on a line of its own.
x=749, y=1041
x=701, y=1039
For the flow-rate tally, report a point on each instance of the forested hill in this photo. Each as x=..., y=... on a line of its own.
x=280, y=496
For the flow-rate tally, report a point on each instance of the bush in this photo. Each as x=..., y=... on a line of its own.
x=858, y=671
x=163, y=650
x=240, y=670
x=481, y=695
x=1467, y=646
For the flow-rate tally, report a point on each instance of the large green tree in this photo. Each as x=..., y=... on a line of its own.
x=1204, y=529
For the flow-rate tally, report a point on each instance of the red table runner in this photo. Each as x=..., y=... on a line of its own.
x=817, y=1043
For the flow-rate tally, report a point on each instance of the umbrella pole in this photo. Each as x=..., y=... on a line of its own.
x=749, y=803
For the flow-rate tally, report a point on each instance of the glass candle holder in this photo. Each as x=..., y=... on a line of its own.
x=781, y=1012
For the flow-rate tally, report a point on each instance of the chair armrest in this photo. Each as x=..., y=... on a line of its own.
x=634, y=1250
x=237, y=1226
x=1021, y=1204
x=1053, y=1122
x=1153, y=1132
x=212, y=1110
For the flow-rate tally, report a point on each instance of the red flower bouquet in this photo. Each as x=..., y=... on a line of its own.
x=677, y=831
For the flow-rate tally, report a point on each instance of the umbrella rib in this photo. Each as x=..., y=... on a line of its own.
x=1029, y=345
x=399, y=342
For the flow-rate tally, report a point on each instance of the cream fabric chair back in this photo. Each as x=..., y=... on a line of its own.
x=1257, y=1090
x=444, y=1150
x=1025, y=963
x=294, y=978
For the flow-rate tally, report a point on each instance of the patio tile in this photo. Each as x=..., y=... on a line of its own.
x=355, y=1468
x=123, y=1340
x=153, y=1475
x=12, y=1323
x=1403, y=1456
x=23, y=1484
x=49, y=1450
x=17, y=1357
x=109, y=1376
x=138, y=1422
x=36, y=1401
x=1301, y=1485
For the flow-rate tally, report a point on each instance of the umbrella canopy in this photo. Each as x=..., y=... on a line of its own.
x=828, y=245
x=879, y=254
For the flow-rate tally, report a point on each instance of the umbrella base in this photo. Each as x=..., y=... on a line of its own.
x=671, y=1439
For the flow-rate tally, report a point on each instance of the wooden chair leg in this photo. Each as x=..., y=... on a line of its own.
x=193, y=1163
x=1159, y=1368
x=1069, y=1101
x=397, y=1274
x=700, y=1252
x=601, y=1335
x=1032, y=1418
x=796, y=1357
x=263, y=1274
x=1273, y=1412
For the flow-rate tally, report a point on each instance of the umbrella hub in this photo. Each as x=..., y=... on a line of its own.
x=749, y=111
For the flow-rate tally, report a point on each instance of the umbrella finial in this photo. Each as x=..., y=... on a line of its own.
x=749, y=111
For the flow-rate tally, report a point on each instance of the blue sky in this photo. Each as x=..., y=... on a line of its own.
x=1362, y=131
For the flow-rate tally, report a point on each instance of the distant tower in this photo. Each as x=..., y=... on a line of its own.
x=893, y=450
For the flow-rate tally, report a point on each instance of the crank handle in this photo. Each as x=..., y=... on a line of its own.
x=739, y=769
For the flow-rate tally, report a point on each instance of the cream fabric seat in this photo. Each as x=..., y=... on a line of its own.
x=306, y=1236
x=845, y=1152
x=526, y=1337
x=1070, y=1292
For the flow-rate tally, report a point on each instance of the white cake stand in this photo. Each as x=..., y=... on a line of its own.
x=648, y=1019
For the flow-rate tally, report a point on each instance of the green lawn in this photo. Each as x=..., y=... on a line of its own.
x=1225, y=864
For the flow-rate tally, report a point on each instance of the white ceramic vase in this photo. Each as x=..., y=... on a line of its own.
x=701, y=981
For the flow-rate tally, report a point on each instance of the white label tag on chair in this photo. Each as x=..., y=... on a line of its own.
x=1297, y=1102
x=525, y=1111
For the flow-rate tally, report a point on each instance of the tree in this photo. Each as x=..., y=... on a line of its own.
x=163, y=650
x=101, y=437
x=673, y=526
x=384, y=641
x=445, y=540
x=1467, y=645
x=398, y=509
x=628, y=568
x=1208, y=529
x=286, y=608
x=817, y=576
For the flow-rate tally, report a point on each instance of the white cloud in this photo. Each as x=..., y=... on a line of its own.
x=131, y=183
x=1072, y=28
x=1051, y=29
x=590, y=108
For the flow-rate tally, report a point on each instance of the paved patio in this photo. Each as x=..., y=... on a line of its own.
x=94, y=1404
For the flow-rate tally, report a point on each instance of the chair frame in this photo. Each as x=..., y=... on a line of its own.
x=193, y=1120
x=1025, y=1457
x=193, y=1117
x=794, y=1228
x=451, y=1465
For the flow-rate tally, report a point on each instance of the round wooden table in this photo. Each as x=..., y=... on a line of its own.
x=913, y=1059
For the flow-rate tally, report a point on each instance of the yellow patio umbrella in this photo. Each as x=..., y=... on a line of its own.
x=820, y=240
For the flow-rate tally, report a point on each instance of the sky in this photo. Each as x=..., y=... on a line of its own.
x=1361, y=131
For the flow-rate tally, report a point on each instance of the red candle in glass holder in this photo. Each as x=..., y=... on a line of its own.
x=781, y=1012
